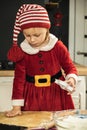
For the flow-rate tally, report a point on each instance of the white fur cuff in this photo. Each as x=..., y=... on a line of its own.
x=17, y=102
x=73, y=76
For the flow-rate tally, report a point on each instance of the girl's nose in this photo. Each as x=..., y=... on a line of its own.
x=32, y=38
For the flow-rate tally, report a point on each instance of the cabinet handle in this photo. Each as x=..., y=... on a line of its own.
x=82, y=53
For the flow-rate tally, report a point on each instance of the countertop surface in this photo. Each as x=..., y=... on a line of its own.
x=82, y=71
x=45, y=119
x=6, y=73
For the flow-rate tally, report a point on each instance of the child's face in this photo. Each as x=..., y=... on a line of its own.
x=35, y=36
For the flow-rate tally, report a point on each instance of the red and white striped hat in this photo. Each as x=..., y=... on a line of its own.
x=28, y=15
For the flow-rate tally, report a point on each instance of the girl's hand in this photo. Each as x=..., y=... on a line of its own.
x=71, y=82
x=14, y=112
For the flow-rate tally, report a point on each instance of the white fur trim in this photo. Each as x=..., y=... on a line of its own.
x=17, y=102
x=25, y=46
x=73, y=76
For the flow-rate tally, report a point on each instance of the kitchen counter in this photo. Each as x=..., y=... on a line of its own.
x=45, y=120
x=82, y=71
x=6, y=73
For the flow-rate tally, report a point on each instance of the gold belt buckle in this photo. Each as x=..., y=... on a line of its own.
x=46, y=78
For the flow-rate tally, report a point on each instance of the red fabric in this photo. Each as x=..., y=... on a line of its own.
x=44, y=98
x=15, y=53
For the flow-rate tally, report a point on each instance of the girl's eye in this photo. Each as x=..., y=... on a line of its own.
x=27, y=35
x=37, y=35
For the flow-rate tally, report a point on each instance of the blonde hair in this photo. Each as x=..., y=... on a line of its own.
x=47, y=36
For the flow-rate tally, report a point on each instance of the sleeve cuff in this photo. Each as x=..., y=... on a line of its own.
x=73, y=76
x=17, y=102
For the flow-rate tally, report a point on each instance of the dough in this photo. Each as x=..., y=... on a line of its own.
x=32, y=119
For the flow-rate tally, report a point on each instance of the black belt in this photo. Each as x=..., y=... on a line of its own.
x=43, y=80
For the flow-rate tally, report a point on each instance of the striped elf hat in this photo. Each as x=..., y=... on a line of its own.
x=28, y=15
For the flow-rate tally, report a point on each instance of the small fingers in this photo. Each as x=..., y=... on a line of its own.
x=12, y=113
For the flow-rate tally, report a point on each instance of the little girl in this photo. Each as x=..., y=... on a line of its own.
x=38, y=62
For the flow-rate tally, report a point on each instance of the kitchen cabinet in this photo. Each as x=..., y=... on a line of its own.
x=81, y=92
x=5, y=93
x=79, y=96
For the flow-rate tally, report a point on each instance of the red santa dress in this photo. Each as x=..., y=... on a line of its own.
x=47, y=60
